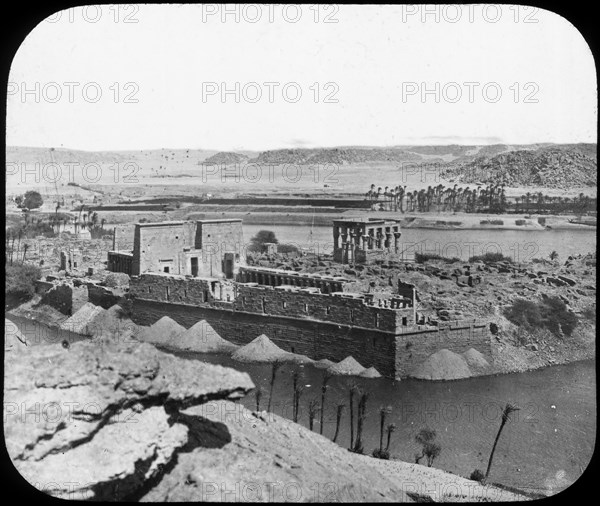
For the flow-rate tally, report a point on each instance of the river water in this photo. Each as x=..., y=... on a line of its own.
x=520, y=245
x=544, y=448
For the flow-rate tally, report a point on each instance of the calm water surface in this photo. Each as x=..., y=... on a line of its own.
x=520, y=245
x=547, y=445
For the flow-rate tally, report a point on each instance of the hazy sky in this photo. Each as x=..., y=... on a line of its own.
x=265, y=77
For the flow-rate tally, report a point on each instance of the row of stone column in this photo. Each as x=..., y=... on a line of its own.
x=370, y=242
x=273, y=279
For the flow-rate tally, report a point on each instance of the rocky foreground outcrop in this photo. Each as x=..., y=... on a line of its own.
x=124, y=421
x=245, y=456
x=97, y=420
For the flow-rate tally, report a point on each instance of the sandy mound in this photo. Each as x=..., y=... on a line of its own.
x=163, y=332
x=324, y=363
x=348, y=366
x=298, y=359
x=112, y=324
x=476, y=361
x=81, y=321
x=201, y=337
x=443, y=365
x=14, y=340
x=262, y=349
x=371, y=372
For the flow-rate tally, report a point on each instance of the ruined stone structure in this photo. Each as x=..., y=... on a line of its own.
x=312, y=314
x=388, y=334
x=278, y=277
x=71, y=259
x=360, y=240
x=206, y=248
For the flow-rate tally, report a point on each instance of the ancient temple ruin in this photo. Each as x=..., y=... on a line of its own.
x=360, y=240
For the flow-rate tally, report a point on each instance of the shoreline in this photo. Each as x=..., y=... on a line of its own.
x=47, y=321
x=325, y=218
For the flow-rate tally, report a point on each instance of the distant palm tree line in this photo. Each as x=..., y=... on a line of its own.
x=57, y=221
x=491, y=198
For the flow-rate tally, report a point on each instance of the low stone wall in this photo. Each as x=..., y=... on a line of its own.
x=313, y=338
x=392, y=355
x=268, y=300
x=102, y=296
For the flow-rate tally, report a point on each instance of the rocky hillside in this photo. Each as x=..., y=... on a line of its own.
x=225, y=158
x=550, y=167
x=105, y=424
x=339, y=156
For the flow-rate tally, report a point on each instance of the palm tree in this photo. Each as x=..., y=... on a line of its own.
x=383, y=412
x=258, y=395
x=540, y=202
x=326, y=377
x=390, y=429
x=295, y=379
x=362, y=409
x=25, y=248
x=274, y=368
x=19, y=235
x=313, y=408
x=338, y=418
x=508, y=409
x=354, y=390
x=299, y=390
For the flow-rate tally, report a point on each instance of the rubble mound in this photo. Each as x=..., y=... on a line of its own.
x=324, y=363
x=109, y=432
x=261, y=349
x=163, y=332
x=371, y=372
x=115, y=279
x=349, y=367
x=443, y=365
x=82, y=321
x=202, y=338
x=14, y=340
x=476, y=361
x=113, y=324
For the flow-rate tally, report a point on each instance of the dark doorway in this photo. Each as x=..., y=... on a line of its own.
x=195, y=266
x=228, y=267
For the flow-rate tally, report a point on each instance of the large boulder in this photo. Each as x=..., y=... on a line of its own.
x=96, y=421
